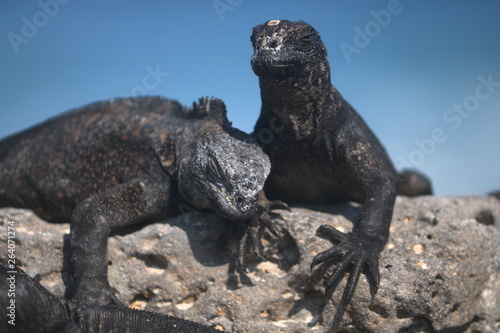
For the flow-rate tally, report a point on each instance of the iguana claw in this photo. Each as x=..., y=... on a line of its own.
x=262, y=217
x=352, y=255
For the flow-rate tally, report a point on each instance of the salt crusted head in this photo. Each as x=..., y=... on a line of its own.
x=283, y=47
x=224, y=172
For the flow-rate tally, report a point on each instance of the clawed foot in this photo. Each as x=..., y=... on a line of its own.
x=353, y=255
x=263, y=216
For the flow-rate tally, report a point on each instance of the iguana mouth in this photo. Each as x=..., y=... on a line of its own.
x=264, y=62
x=282, y=65
x=241, y=210
x=276, y=62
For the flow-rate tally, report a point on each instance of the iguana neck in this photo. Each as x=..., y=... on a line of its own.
x=298, y=102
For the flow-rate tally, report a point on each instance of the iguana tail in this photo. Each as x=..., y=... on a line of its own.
x=37, y=310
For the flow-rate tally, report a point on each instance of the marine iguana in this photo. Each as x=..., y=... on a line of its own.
x=120, y=162
x=35, y=309
x=321, y=151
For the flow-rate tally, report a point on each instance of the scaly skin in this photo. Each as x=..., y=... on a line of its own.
x=116, y=163
x=321, y=151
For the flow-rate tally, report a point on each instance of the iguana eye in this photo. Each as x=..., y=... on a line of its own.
x=306, y=40
x=213, y=169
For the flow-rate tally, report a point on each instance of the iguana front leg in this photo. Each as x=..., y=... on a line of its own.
x=354, y=252
x=92, y=221
x=359, y=250
x=263, y=217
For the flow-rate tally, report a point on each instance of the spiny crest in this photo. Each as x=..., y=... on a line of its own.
x=210, y=106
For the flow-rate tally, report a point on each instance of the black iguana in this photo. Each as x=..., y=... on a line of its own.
x=120, y=162
x=321, y=150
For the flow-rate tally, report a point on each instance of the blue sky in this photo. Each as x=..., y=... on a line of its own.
x=425, y=74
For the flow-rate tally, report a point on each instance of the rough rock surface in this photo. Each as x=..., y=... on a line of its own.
x=440, y=270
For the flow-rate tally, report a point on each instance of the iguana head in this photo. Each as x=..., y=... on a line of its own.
x=286, y=48
x=224, y=171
